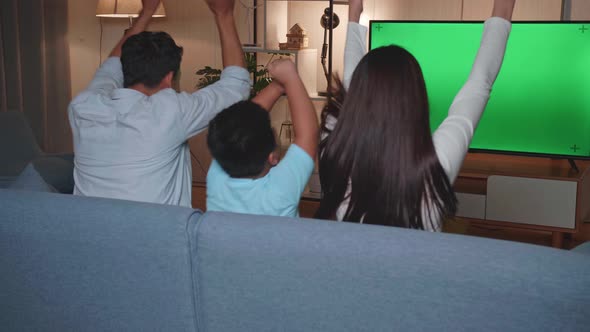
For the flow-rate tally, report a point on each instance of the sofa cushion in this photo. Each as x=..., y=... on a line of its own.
x=18, y=145
x=29, y=179
x=280, y=274
x=6, y=181
x=58, y=171
x=74, y=263
x=583, y=248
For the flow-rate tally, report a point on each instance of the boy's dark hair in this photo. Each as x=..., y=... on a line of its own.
x=240, y=138
x=148, y=57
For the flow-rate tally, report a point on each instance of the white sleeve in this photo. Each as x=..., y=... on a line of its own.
x=108, y=77
x=200, y=107
x=354, y=50
x=453, y=136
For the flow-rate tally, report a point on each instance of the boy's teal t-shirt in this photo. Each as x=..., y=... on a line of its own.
x=276, y=194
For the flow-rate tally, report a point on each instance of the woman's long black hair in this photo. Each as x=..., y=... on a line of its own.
x=382, y=145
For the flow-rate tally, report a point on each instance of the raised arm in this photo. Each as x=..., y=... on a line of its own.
x=356, y=41
x=354, y=50
x=139, y=25
x=452, y=138
x=269, y=95
x=200, y=107
x=305, y=121
x=231, y=48
x=503, y=9
x=110, y=75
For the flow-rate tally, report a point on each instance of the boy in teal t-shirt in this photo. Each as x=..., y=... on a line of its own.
x=245, y=175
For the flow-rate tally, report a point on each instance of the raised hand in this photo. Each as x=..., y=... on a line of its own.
x=283, y=71
x=355, y=9
x=139, y=25
x=150, y=5
x=504, y=9
x=221, y=7
x=305, y=122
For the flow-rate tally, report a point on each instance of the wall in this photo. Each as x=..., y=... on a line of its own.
x=580, y=10
x=192, y=26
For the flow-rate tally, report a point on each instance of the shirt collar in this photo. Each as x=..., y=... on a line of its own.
x=126, y=94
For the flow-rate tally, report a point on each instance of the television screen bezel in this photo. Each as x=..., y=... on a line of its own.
x=490, y=151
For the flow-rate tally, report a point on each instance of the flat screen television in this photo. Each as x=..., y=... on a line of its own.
x=540, y=103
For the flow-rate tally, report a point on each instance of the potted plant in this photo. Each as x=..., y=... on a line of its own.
x=259, y=73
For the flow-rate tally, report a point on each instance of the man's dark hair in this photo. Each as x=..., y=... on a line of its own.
x=148, y=57
x=240, y=138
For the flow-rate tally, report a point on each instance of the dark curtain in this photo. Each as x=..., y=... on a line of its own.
x=34, y=68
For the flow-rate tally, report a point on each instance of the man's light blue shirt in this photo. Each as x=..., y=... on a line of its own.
x=276, y=194
x=132, y=146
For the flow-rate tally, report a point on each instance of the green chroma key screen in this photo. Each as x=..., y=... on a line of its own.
x=540, y=103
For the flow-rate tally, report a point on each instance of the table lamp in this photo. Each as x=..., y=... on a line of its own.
x=124, y=8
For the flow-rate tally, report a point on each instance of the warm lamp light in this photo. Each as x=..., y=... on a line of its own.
x=124, y=9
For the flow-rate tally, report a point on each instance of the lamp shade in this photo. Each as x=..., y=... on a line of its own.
x=124, y=8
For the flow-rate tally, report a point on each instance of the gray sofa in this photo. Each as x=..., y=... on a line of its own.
x=85, y=264
x=18, y=148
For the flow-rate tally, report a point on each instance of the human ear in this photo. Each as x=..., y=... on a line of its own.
x=273, y=158
x=167, y=80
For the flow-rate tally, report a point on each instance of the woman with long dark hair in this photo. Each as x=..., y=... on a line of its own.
x=379, y=162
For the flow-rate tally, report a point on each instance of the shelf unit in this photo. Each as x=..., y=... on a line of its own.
x=273, y=19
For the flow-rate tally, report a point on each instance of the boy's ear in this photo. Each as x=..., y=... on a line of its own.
x=167, y=80
x=273, y=158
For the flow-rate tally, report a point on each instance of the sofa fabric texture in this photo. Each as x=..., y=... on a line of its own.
x=87, y=264
x=84, y=264
x=18, y=147
x=31, y=180
x=309, y=275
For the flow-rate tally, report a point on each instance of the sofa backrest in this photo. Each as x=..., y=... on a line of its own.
x=267, y=274
x=17, y=143
x=86, y=264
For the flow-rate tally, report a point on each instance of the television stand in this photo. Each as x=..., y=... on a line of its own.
x=526, y=193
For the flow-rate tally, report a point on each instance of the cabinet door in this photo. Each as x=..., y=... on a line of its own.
x=531, y=201
x=471, y=206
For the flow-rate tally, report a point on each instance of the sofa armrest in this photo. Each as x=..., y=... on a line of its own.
x=583, y=248
x=65, y=156
x=57, y=170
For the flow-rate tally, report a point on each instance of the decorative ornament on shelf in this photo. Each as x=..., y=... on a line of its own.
x=296, y=39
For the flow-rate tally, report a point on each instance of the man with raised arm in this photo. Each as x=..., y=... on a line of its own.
x=131, y=128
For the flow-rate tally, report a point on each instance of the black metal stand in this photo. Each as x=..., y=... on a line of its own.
x=330, y=49
x=327, y=48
